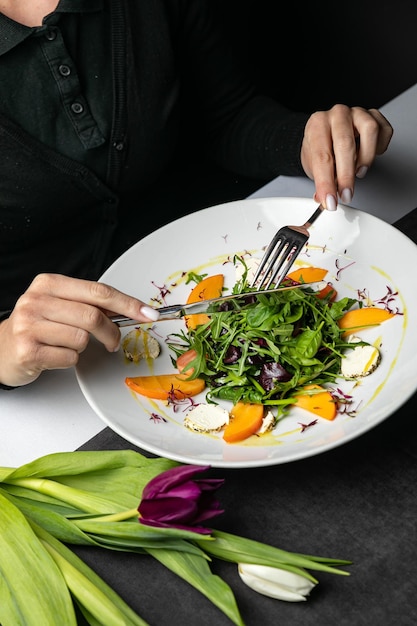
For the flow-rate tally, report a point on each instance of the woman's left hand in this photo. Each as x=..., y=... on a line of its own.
x=340, y=145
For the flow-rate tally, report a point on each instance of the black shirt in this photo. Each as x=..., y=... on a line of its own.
x=92, y=108
x=56, y=80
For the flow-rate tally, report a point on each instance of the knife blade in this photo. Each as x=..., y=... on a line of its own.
x=177, y=311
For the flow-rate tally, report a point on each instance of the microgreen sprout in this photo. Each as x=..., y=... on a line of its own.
x=342, y=269
x=185, y=404
x=388, y=300
x=344, y=402
x=156, y=418
x=163, y=292
x=305, y=426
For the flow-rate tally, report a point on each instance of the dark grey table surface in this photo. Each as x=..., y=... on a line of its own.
x=357, y=502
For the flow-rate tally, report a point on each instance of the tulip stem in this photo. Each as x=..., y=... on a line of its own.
x=114, y=517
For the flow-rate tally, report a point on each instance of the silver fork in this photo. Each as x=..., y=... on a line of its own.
x=281, y=253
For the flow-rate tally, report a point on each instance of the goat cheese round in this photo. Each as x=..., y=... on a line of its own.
x=139, y=344
x=360, y=360
x=206, y=418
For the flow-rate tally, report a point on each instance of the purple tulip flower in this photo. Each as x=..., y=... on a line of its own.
x=174, y=499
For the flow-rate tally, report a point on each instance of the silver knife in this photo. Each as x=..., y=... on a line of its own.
x=176, y=311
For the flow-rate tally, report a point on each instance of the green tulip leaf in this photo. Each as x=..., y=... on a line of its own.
x=32, y=588
x=196, y=571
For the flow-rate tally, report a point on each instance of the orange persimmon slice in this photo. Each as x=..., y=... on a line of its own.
x=320, y=402
x=313, y=275
x=208, y=288
x=359, y=319
x=246, y=421
x=165, y=386
x=307, y=274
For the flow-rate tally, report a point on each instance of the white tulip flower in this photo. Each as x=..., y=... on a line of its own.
x=275, y=582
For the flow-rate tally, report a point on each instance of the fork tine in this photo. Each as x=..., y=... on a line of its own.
x=281, y=270
x=281, y=253
x=266, y=257
x=278, y=258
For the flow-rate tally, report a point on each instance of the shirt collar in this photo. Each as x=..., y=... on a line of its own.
x=12, y=33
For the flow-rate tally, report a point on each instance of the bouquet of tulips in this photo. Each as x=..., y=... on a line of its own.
x=121, y=500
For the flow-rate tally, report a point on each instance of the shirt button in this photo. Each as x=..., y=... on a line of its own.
x=77, y=107
x=119, y=146
x=50, y=34
x=64, y=70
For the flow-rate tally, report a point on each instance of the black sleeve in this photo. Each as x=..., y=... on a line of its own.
x=247, y=132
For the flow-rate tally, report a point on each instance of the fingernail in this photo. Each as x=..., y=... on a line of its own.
x=331, y=204
x=150, y=313
x=346, y=195
x=362, y=171
x=116, y=349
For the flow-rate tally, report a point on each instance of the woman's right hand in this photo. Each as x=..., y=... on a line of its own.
x=53, y=320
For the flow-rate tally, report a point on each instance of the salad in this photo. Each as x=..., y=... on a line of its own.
x=265, y=353
x=262, y=349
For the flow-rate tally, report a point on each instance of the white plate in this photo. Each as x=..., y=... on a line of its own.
x=362, y=254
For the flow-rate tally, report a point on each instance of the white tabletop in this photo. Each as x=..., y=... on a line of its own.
x=52, y=415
